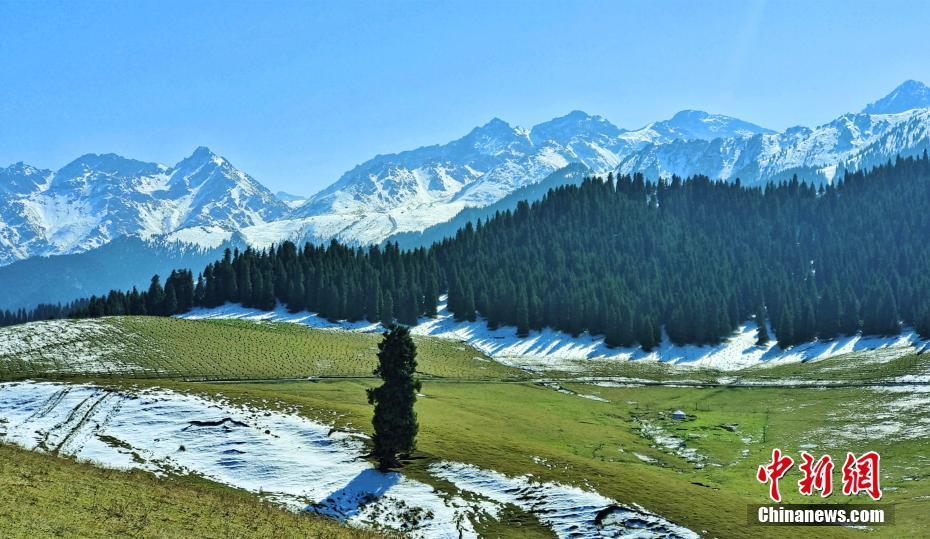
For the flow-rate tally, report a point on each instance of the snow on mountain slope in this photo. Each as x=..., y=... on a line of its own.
x=204, y=200
x=412, y=190
x=292, y=201
x=96, y=198
x=572, y=174
x=693, y=125
x=764, y=156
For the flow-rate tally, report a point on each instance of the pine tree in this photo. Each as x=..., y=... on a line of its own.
x=922, y=320
x=431, y=297
x=199, y=291
x=881, y=314
x=155, y=297
x=170, y=305
x=395, y=421
x=785, y=330
x=387, y=310
x=523, y=315
x=763, y=332
x=407, y=315
x=468, y=304
x=267, y=300
x=647, y=334
x=245, y=285
x=373, y=307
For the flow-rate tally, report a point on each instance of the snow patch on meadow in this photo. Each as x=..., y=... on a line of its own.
x=568, y=511
x=554, y=350
x=286, y=458
x=669, y=443
x=64, y=347
x=302, y=464
x=893, y=412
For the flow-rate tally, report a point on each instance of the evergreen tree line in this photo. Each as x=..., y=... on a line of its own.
x=627, y=258
x=621, y=257
x=43, y=311
x=175, y=297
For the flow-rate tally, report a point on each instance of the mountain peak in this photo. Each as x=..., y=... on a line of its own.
x=578, y=115
x=690, y=114
x=910, y=94
x=574, y=117
x=700, y=125
x=576, y=122
x=107, y=163
x=495, y=129
x=495, y=124
x=21, y=178
x=203, y=151
x=20, y=167
x=201, y=156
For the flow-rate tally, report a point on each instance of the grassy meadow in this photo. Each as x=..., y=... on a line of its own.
x=43, y=495
x=154, y=347
x=617, y=439
x=704, y=482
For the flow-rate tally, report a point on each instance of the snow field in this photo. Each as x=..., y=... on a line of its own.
x=568, y=511
x=299, y=463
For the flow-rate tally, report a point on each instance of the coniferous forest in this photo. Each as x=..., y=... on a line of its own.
x=621, y=257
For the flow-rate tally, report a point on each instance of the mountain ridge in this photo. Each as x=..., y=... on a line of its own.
x=99, y=197
x=204, y=200
x=910, y=94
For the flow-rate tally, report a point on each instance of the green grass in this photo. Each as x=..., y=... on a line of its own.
x=145, y=347
x=47, y=496
x=855, y=367
x=525, y=428
x=470, y=414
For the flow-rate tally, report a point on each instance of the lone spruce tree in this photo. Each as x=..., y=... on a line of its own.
x=395, y=422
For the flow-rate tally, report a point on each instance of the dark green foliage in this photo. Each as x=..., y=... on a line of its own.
x=624, y=258
x=387, y=309
x=41, y=312
x=395, y=422
x=155, y=297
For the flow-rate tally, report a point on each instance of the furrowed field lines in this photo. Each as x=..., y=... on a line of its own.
x=148, y=347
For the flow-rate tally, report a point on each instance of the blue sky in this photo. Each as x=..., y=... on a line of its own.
x=296, y=93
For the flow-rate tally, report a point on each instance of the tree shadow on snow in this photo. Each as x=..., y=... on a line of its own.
x=363, y=489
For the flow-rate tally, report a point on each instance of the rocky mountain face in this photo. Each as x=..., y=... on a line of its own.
x=413, y=190
x=206, y=202
x=816, y=154
x=97, y=198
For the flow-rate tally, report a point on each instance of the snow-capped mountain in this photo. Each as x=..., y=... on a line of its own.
x=96, y=198
x=818, y=154
x=205, y=201
x=693, y=125
x=412, y=190
x=291, y=200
